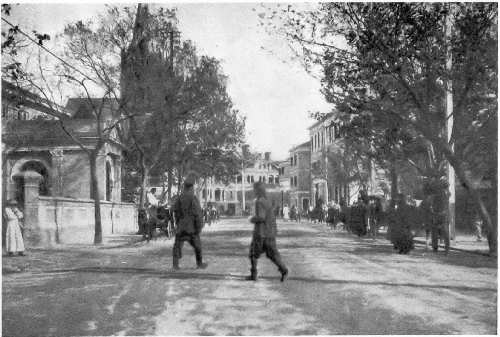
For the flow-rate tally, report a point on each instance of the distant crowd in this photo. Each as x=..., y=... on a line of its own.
x=400, y=222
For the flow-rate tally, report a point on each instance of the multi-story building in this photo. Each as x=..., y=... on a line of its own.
x=300, y=176
x=262, y=169
x=284, y=181
x=326, y=136
x=223, y=196
x=237, y=195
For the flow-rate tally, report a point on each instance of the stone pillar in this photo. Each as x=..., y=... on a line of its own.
x=57, y=172
x=32, y=230
x=101, y=175
x=118, y=180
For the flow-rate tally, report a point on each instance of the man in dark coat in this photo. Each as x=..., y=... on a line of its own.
x=357, y=219
x=439, y=226
x=189, y=221
x=264, y=234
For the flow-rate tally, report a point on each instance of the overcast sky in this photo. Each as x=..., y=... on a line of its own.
x=271, y=90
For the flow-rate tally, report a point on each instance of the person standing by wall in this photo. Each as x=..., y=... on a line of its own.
x=264, y=234
x=14, y=221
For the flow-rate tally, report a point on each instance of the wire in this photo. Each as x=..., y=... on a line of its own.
x=48, y=51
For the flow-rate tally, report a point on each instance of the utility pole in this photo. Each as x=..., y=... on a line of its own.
x=449, y=125
x=243, y=185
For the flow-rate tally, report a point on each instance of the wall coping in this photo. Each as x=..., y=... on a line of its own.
x=105, y=202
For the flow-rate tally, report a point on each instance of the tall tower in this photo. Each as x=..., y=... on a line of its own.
x=134, y=61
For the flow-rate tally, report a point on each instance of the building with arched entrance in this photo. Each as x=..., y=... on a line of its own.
x=35, y=145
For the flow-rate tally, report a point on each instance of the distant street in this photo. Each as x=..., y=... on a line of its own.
x=338, y=284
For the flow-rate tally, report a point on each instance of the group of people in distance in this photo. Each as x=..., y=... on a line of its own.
x=402, y=220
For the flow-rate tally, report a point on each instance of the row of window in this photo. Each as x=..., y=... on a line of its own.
x=263, y=179
x=220, y=195
x=293, y=160
x=326, y=136
x=263, y=166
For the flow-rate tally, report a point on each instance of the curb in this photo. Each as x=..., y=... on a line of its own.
x=477, y=252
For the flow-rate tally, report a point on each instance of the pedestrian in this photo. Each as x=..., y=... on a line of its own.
x=264, y=234
x=425, y=211
x=189, y=221
x=330, y=219
x=13, y=237
x=439, y=228
x=293, y=213
x=286, y=213
x=374, y=209
x=152, y=205
x=213, y=214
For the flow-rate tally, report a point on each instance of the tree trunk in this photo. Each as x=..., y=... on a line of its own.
x=467, y=183
x=179, y=182
x=394, y=181
x=95, y=195
x=481, y=206
x=144, y=178
x=169, y=183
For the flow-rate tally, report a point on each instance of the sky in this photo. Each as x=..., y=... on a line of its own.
x=267, y=86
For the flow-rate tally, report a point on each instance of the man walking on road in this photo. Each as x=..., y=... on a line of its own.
x=189, y=221
x=264, y=234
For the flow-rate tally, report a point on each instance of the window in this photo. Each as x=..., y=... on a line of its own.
x=276, y=180
x=295, y=181
x=291, y=181
x=291, y=161
x=251, y=179
x=271, y=179
x=295, y=160
x=248, y=179
x=238, y=179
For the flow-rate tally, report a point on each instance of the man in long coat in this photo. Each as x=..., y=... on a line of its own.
x=189, y=220
x=264, y=234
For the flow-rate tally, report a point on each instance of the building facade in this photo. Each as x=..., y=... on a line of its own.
x=49, y=173
x=325, y=140
x=300, y=176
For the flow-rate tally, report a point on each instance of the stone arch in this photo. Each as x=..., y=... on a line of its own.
x=30, y=164
x=16, y=169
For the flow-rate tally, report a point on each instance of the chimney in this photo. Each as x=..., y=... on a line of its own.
x=245, y=149
x=267, y=155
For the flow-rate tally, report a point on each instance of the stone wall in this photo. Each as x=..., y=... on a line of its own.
x=66, y=220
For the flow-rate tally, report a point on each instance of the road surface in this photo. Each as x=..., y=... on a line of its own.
x=338, y=284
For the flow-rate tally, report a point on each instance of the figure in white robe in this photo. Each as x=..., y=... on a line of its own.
x=286, y=213
x=13, y=237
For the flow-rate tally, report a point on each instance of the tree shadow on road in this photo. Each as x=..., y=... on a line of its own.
x=419, y=254
x=186, y=275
